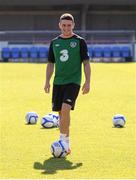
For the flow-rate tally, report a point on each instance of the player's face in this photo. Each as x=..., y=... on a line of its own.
x=66, y=27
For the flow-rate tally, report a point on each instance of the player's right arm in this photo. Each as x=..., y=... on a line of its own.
x=49, y=69
x=49, y=72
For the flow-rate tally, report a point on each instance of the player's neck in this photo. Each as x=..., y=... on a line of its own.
x=67, y=36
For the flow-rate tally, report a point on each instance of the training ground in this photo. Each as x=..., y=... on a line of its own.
x=98, y=149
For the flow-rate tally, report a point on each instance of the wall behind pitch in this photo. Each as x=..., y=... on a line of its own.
x=111, y=21
x=32, y=22
x=28, y=22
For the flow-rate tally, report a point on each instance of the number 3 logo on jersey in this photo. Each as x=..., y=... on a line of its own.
x=64, y=55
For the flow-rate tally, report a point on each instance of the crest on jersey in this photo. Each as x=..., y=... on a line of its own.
x=57, y=45
x=73, y=44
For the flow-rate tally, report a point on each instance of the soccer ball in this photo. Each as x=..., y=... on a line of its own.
x=47, y=121
x=55, y=118
x=119, y=120
x=59, y=149
x=31, y=117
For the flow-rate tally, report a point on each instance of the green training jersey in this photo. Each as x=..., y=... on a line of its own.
x=68, y=54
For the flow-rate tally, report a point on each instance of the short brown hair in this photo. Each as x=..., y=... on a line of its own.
x=67, y=16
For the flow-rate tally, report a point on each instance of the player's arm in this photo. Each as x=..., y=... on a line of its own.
x=49, y=72
x=87, y=72
x=86, y=64
x=49, y=69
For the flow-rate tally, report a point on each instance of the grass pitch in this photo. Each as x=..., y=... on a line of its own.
x=98, y=149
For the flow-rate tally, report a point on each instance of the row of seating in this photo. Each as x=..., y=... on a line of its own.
x=110, y=52
x=24, y=52
x=42, y=52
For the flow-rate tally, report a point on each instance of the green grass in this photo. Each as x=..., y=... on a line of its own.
x=98, y=149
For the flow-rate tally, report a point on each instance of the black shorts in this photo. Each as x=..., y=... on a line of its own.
x=64, y=94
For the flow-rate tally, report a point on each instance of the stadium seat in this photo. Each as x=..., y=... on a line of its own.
x=33, y=52
x=125, y=52
x=15, y=53
x=107, y=52
x=6, y=53
x=43, y=52
x=24, y=53
x=90, y=50
x=116, y=52
x=98, y=52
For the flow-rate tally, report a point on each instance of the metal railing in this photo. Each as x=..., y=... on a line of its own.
x=92, y=37
x=11, y=38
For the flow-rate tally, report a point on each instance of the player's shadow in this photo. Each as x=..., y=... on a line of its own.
x=52, y=165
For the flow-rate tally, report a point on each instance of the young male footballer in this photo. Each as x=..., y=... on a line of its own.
x=67, y=53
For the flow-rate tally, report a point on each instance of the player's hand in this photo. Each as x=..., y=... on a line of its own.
x=86, y=88
x=47, y=87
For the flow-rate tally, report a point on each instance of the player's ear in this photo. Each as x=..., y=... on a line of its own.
x=73, y=25
x=59, y=25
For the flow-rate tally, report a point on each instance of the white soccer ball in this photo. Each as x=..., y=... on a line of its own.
x=47, y=121
x=119, y=120
x=59, y=149
x=55, y=118
x=31, y=118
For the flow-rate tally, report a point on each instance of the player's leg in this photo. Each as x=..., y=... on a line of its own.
x=57, y=105
x=65, y=119
x=65, y=123
x=57, y=97
x=70, y=94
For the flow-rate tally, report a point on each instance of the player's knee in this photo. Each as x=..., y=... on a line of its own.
x=65, y=108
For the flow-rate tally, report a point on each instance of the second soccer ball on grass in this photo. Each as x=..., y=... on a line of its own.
x=119, y=120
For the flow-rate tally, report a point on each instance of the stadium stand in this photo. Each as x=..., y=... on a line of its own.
x=25, y=53
x=110, y=51
x=104, y=24
x=41, y=53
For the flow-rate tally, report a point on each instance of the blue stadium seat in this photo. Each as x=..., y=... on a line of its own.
x=15, y=53
x=125, y=52
x=24, y=52
x=107, y=52
x=43, y=52
x=90, y=50
x=6, y=53
x=116, y=52
x=98, y=52
x=33, y=52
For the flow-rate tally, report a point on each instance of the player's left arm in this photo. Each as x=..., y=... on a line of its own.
x=87, y=72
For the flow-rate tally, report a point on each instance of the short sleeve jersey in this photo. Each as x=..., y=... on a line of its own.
x=68, y=55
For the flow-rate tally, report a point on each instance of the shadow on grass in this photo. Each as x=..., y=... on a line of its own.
x=52, y=165
x=118, y=127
